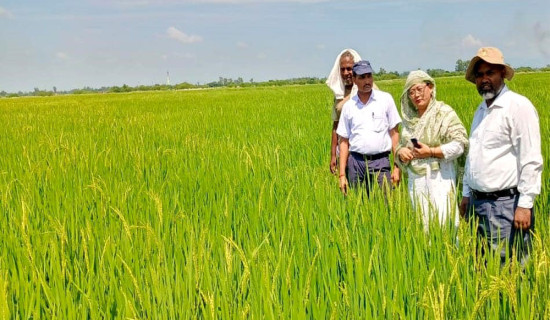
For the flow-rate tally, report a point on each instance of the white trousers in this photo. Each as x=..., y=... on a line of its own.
x=435, y=194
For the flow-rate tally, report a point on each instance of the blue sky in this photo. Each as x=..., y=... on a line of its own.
x=78, y=43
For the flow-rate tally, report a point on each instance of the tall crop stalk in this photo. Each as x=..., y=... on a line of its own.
x=219, y=204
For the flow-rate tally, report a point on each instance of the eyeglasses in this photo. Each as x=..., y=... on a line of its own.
x=418, y=90
x=346, y=69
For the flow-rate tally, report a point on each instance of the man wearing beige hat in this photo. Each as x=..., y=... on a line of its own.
x=503, y=168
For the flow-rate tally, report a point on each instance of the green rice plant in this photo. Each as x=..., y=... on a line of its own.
x=219, y=204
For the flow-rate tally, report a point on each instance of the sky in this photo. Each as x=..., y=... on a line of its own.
x=95, y=43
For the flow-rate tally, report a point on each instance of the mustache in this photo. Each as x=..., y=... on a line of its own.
x=488, y=91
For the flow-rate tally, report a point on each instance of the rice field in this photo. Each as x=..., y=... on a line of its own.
x=219, y=204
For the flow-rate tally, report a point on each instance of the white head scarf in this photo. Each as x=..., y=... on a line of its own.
x=334, y=80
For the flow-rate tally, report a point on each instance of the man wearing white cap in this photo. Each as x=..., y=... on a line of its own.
x=503, y=168
x=368, y=129
x=341, y=83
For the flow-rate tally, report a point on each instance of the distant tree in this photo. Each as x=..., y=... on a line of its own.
x=214, y=84
x=525, y=69
x=385, y=75
x=183, y=85
x=461, y=65
x=435, y=72
x=42, y=93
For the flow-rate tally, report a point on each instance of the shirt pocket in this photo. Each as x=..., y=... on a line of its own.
x=493, y=139
x=379, y=123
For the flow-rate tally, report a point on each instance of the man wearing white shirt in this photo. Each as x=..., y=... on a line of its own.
x=340, y=81
x=368, y=129
x=503, y=169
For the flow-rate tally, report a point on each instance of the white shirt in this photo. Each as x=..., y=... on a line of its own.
x=505, y=149
x=367, y=126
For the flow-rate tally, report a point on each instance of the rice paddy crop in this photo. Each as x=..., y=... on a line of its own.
x=219, y=204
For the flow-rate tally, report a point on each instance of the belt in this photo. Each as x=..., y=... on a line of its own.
x=493, y=195
x=371, y=157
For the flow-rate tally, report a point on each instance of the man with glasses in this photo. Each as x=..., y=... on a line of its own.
x=368, y=131
x=503, y=169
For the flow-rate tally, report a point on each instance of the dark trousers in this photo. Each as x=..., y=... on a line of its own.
x=367, y=172
x=495, y=226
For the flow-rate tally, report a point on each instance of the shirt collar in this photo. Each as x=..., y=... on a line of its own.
x=372, y=97
x=501, y=100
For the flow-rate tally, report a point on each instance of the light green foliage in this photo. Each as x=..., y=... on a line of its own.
x=218, y=204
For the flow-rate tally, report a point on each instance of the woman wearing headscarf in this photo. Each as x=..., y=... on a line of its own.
x=440, y=139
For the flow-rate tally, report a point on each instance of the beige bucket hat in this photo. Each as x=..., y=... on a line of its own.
x=492, y=56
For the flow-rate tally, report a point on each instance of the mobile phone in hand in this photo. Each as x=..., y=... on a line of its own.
x=415, y=142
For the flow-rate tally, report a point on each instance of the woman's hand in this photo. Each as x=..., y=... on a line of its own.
x=423, y=152
x=405, y=155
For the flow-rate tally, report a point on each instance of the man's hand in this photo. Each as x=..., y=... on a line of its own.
x=396, y=176
x=333, y=164
x=464, y=206
x=344, y=184
x=522, y=218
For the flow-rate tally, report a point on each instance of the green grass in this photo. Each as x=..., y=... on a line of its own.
x=218, y=204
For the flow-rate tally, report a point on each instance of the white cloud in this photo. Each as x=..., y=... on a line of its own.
x=242, y=45
x=471, y=41
x=61, y=55
x=5, y=13
x=182, y=37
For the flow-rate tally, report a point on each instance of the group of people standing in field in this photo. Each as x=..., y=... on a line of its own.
x=503, y=161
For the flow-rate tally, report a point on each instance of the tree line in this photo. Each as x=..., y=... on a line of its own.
x=382, y=74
